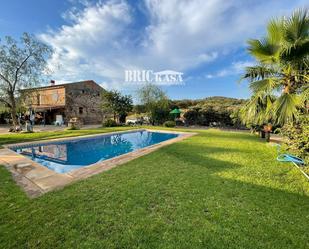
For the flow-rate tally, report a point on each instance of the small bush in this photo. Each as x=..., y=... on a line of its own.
x=297, y=135
x=73, y=128
x=109, y=123
x=169, y=124
x=191, y=117
x=179, y=123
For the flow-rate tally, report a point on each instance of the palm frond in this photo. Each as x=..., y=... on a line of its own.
x=304, y=96
x=292, y=53
x=264, y=50
x=257, y=110
x=258, y=72
x=296, y=27
x=275, y=30
x=269, y=101
x=295, y=46
x=265, y=86
x=286, y=108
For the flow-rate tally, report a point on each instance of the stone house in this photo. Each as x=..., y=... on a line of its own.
x=65, y=101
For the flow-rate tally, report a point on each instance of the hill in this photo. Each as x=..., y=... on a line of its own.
x=217, y=103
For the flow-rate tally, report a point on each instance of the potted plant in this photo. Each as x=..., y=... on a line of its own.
x=267, y=129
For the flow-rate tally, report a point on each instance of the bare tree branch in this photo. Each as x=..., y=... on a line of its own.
x=5, y=79
x=17, y=70
x=5, y=102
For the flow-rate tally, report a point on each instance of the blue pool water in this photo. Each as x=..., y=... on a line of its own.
x=72, y=154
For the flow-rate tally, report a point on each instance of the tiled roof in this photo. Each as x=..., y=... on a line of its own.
x=61, y=85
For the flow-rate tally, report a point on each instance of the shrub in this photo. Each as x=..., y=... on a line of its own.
x=109, y=123
x=74, y=124
x=179, y=122
x=208, y=117
x=297, y=135
x=191, y=117
x=73, y=128
x=169, y=124
x=159, y=115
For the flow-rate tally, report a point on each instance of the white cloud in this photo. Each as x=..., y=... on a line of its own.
x=87, y=47
x=207, y=57
x=98, y=42
x=235, y=68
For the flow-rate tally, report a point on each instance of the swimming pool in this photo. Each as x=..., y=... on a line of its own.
x=65, y=156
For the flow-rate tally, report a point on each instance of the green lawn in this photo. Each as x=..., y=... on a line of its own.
x=214, y=190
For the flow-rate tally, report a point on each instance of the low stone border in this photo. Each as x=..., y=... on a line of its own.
x=36, y=179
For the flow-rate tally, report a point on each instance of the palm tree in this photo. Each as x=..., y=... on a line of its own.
x=256, y=111
x=282, y=70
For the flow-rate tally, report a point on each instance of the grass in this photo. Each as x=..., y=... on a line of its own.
x=214, y=190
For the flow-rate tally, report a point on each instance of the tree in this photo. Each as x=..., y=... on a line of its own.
x=156, y=103
x=191, y=117
x=279, y=82
x=21, y=66
x=139, y=109
x=116, y=104
x=210, y=111
x=282, y=70
x=257, y=111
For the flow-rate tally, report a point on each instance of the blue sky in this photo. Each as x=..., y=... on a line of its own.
x=99, y=40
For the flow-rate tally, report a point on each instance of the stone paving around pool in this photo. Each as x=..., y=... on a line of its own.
x=36, y=179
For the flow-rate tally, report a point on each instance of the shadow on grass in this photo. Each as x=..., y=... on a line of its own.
x=212, y=133
x=167, y=206
x=171, y=198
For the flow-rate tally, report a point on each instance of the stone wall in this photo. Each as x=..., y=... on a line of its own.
x=83, y=100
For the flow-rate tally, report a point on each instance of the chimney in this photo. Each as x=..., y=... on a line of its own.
x=52, y=82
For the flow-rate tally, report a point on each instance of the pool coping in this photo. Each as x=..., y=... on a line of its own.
x=36, y=179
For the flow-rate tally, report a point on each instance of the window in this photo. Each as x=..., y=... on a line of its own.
x=80, y=110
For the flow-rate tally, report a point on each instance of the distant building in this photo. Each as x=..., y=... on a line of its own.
x=65, y=101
